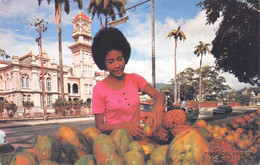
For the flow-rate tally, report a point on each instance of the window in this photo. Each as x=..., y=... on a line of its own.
x=48, y=84
x=68, y=87
x=42, y=104
x=27, y=82
x=28, y=98
x=75, y=88
x=49, y=100
x=24, y=98
x=40, y=83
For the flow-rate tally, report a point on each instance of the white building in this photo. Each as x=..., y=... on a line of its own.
x=21, y=80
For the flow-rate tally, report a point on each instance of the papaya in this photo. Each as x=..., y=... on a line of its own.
x=46, y=147
x=49, y=162
x=73, y=143
x=158, y=155
x=106, y=151
x=23, y=157
x=134, y=157
x=134, y=145
x=122, y=138
x=86, y=160
x=189, y=147
x=91, y=133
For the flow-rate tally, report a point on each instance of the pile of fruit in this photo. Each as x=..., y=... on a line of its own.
x=176, y=142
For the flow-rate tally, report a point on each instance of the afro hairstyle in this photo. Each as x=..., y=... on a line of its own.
x=108, y=39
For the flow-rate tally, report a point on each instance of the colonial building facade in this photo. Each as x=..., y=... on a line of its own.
x=21, y=79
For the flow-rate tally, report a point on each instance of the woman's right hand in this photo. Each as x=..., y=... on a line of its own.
x=134, y=128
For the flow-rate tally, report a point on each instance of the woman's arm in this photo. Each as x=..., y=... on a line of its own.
x=155, y=120
x=134, y=128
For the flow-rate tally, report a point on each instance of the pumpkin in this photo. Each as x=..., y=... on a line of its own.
x=189, y=147
x=205, y=133
x=73, y=143
x=239, y=120
x=134, y=158
x=106, y=151
x=122, y=138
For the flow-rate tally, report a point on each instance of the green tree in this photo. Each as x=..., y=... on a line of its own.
x=177, y=34
x=201, y=50
x=59, y=106
x=27, y=105
x=77, y=105
x=106, y=7
x=11, y=108
x=57, y=19
x=236, y=45
x=213, y=83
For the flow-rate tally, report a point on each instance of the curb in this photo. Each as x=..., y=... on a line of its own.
x=43, y=122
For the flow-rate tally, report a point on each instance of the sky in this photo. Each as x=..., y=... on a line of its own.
x=17, y=36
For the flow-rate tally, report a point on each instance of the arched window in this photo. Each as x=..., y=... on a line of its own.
x=69, y=87
x=25, y=81
x=75, y=88
x=40, y=83
x=48, y=84
x=1, y=82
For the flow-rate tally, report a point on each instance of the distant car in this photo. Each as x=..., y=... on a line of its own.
x=145, y=111
x=222, y=109
x=2, y=137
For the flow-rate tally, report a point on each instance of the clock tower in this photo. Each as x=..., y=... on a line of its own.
x=81, y=49
x=83, y=69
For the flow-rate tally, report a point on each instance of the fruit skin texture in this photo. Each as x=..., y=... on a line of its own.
x=174, y=117
x=189, y=147
x=134, y=157
x=22, y=157
x=106, y=151
x=48, y=162
x=158, y=155
x=180, y=128
x=225, y=151
x=73, y=143
x=162, y=136
x=134, y=145
x=122, y=138
x=91, y=133
x=86, y=160
x=46, y=148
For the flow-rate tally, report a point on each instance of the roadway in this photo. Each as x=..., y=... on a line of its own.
x=25, y=135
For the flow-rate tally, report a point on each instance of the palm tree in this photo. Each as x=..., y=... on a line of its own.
x=4, y=54
x=201, y=49
x=106, y=7
x=177, y=34
x=57, y=19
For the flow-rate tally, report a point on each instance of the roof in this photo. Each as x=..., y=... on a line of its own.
x=82, y=15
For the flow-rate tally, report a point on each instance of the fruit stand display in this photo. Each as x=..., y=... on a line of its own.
x=178, y=141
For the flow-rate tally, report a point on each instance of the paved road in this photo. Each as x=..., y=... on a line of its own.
x=24, y=136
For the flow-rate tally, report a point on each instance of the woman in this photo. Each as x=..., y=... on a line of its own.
x=115, y=100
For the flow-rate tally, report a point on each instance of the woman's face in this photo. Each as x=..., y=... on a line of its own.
x=115, y=63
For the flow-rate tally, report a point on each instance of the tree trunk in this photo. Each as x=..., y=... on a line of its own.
x=60, y=57
x=200, y=81
x=175, y=75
